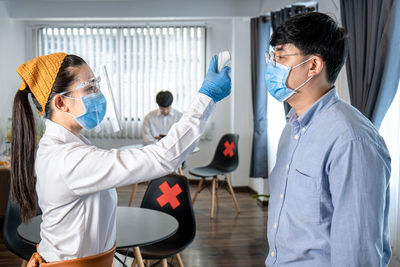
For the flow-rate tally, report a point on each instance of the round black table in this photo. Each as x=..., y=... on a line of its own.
x=135, y=227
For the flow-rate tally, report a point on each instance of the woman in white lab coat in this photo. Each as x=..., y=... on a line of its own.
x=75, y=181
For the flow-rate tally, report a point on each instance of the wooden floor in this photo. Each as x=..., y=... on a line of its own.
x=227, y=240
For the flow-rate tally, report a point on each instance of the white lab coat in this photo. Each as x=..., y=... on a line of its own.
x=76, y=181
x=155, y=123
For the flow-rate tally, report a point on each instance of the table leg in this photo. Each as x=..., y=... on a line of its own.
x=138, y=256
x=164, y=263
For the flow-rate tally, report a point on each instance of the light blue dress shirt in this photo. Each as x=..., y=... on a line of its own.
x=329, y=190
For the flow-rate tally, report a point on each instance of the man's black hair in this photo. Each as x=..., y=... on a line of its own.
x=164, y=99
x=315, y=33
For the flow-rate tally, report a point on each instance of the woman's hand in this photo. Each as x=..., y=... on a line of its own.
x=216, y=85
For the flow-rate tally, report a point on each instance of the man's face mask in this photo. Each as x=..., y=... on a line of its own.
x=94, y=102
x=276, y=75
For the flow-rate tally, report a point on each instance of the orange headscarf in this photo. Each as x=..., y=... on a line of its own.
x=39, y=74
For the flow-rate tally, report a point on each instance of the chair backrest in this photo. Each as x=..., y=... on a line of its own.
x=13, y=241
x=226, y=157
x=104, y=259
x=170, y=194
x=4, y=189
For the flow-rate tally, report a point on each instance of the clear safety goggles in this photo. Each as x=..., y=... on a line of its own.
x=91, y=86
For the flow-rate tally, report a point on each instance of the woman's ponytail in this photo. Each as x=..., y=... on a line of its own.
x=23, y=180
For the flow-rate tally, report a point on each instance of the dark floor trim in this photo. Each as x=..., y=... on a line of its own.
x=244, y=189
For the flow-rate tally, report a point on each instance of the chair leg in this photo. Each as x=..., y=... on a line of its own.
x=24, y=263
x=164, y=263
x=180, y=262
x=198, y=189
x=134, y=188
x=133, y=263
x=147, y=263
x=138, y=257
x=180, y=172
x=228, y=181
x=213, y=196
x=216, y=191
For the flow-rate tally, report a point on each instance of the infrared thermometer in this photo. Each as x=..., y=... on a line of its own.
x=224, y=58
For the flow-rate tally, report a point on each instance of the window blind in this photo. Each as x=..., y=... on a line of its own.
x=140, y=61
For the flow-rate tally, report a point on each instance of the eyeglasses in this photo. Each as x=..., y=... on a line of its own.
x=89, y=87
x=270, y=57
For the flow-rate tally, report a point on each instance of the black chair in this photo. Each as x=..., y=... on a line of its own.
x=180, y=208
x=13, y=241
x=225, y=161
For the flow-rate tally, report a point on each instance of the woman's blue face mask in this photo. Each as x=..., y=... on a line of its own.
x=276, y=75
x=95, y=109
x=94, y=102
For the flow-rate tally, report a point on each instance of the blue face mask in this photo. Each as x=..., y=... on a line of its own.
x=276, y=75
x=95, y=109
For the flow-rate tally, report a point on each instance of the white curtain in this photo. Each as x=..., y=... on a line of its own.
x=140, y=61
x=390, y=130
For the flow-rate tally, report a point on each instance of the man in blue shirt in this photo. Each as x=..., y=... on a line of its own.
x=330, y=185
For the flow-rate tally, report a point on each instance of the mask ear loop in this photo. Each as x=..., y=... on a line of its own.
x=70, y=97
x=304, y=83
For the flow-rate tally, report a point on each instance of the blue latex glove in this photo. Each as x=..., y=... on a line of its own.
x=216, y=85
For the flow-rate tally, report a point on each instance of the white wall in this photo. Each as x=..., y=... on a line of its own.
x=242, y=107
x=12, y=54
x=110, y=9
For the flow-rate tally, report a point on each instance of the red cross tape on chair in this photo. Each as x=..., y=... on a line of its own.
x=229, y=149
x=169, y=195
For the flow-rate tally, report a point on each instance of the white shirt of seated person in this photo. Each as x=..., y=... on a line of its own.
x=156, y=124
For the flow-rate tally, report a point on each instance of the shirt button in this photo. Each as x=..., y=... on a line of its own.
x=281, y=196
x=272, y=253
x=296, y=136
x=275, y=226
x=287, y=166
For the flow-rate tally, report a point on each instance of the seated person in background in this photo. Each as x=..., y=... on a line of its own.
x=157, y=123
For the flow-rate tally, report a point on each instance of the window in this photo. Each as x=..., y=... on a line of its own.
x=276, y=122
x=390, y=131
x=140, y=61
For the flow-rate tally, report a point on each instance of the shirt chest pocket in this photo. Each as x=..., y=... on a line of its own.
x=303, y=196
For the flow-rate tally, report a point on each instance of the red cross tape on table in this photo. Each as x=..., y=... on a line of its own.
x=169, y=195
x=229, y=149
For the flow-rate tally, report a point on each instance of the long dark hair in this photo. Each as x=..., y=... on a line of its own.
x=23, y=180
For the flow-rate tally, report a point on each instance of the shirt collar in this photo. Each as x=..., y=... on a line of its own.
x=171, y=113
x=59, y=132
x=320, y=105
